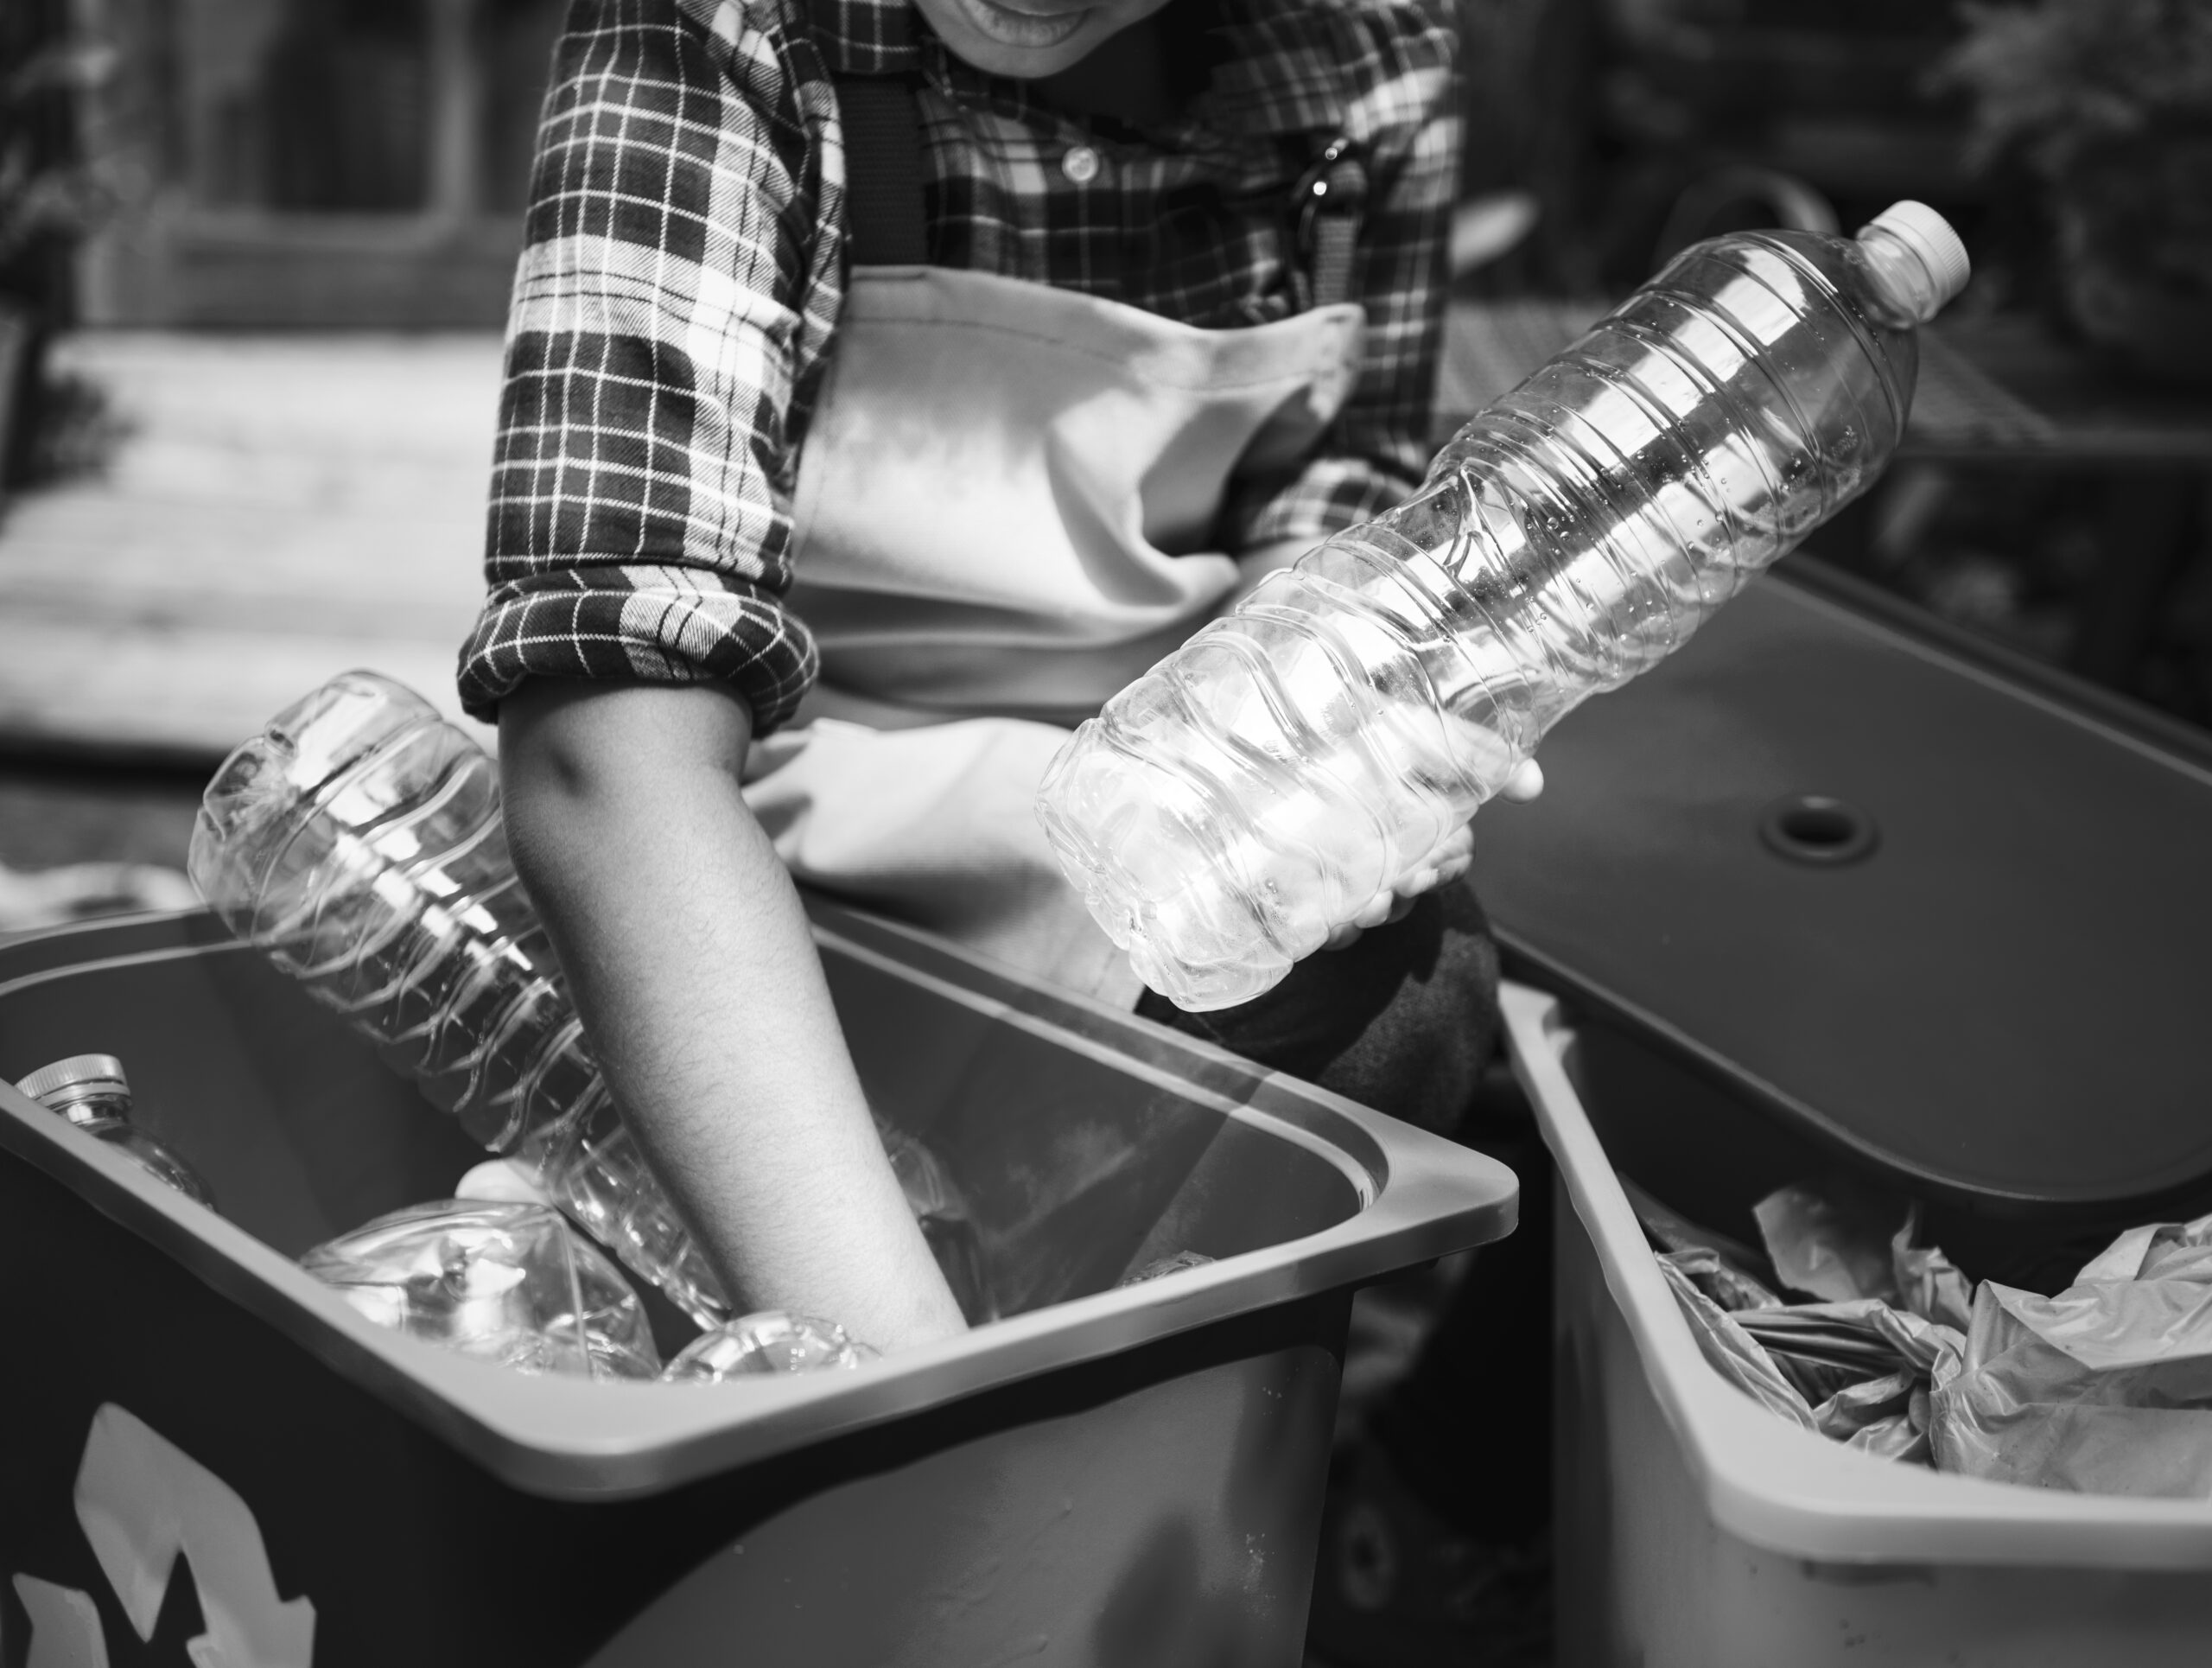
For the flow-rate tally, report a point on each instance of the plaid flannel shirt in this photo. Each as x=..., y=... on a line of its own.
x=678, y=292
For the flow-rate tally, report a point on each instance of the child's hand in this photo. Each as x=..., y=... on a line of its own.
x=1446, y=862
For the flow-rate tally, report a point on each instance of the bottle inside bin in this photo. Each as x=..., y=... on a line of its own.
x=1295, y=760
x=947, y=1222
x=506, y=1282
x=770, y=1343
x=357, y=842
x=91, y=1092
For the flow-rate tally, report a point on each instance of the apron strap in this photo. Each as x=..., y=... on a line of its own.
x=885, y=222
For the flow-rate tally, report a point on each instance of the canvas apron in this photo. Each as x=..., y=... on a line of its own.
x=1001, y=512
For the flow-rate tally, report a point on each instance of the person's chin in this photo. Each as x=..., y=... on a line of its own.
x=1004, y=40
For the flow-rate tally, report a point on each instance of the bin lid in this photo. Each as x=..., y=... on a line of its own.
x=1938, y=915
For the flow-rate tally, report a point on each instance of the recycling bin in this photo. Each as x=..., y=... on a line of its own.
x=1693, y=1529
x=203, y=1448
x=1941, y=916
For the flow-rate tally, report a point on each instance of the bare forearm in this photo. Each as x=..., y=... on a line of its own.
x=691, y=960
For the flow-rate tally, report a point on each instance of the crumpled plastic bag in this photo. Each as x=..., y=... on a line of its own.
x=1866, y=1333
x=1671, y=1232
x=1855, y=1373
x=2106, y=1388
x=1730, y=1350
x=1886, y=1417
x=1857, y=1368
x=1871, y=1364
x=1832, y=1243
x=1720, y=1279
x=1929, y=1284
x=1837, y=1244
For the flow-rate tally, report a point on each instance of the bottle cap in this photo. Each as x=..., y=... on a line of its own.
x=83, y=1073
x=1929, y=236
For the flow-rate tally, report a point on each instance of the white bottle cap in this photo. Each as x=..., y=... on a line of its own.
x=1929, y=236
x=505, y=1182
x=80, y=1074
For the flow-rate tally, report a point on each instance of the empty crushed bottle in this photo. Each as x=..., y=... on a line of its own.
x=357, y=842
x=1160, y=1267
x=771, y=1341
x=947, y=1219
x=1293, y=762
x=93, y=1093
x=508, y=1283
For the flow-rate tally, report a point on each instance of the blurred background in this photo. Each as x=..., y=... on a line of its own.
x=2051, y=500
x=254, y=257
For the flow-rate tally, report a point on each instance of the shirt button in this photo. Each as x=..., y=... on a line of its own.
x=1080, y=164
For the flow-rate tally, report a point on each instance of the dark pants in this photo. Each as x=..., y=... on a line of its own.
x=1405, y=1021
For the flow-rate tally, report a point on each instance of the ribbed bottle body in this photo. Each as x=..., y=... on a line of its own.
x=1266, y=782
x=357, y=842
x=1601, y=510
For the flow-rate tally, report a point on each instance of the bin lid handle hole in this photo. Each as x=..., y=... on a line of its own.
x=1817, y=828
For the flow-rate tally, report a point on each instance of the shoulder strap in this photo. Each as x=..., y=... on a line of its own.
x=884, y=215
x=1332, y=198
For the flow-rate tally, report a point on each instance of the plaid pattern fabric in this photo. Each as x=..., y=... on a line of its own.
x=681, y=277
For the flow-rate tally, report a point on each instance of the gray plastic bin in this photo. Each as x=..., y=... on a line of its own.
x=1109, y=1477
x=1696, y=1530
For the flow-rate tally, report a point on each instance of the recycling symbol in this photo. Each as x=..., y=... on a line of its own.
x=141, y=1501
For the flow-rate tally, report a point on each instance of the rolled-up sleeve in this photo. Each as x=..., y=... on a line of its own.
x=674, y=291
x=1375, y=453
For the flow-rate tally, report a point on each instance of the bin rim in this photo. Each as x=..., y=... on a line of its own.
x=1773, y=1484
x=1421, y=1197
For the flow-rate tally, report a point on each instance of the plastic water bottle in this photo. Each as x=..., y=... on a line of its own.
x=357, y=842
x=770, y=1342
x=508, y=1283
x=1293, y=761
x=1159, y=1268
x=93, y=1093
x=947, y=1221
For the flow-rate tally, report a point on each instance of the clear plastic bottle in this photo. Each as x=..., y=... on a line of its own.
x=93, y=1093
x=506, y=1282
x=1271, y=779
x=357, y=842
x=772, y=1342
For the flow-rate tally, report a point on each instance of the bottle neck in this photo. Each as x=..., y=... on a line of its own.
x=86, y=1104
x=1900, y=278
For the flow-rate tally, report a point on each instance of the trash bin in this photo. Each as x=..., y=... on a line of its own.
x=1108, y=1477
x=1696, y=1530
x=1921, y=910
